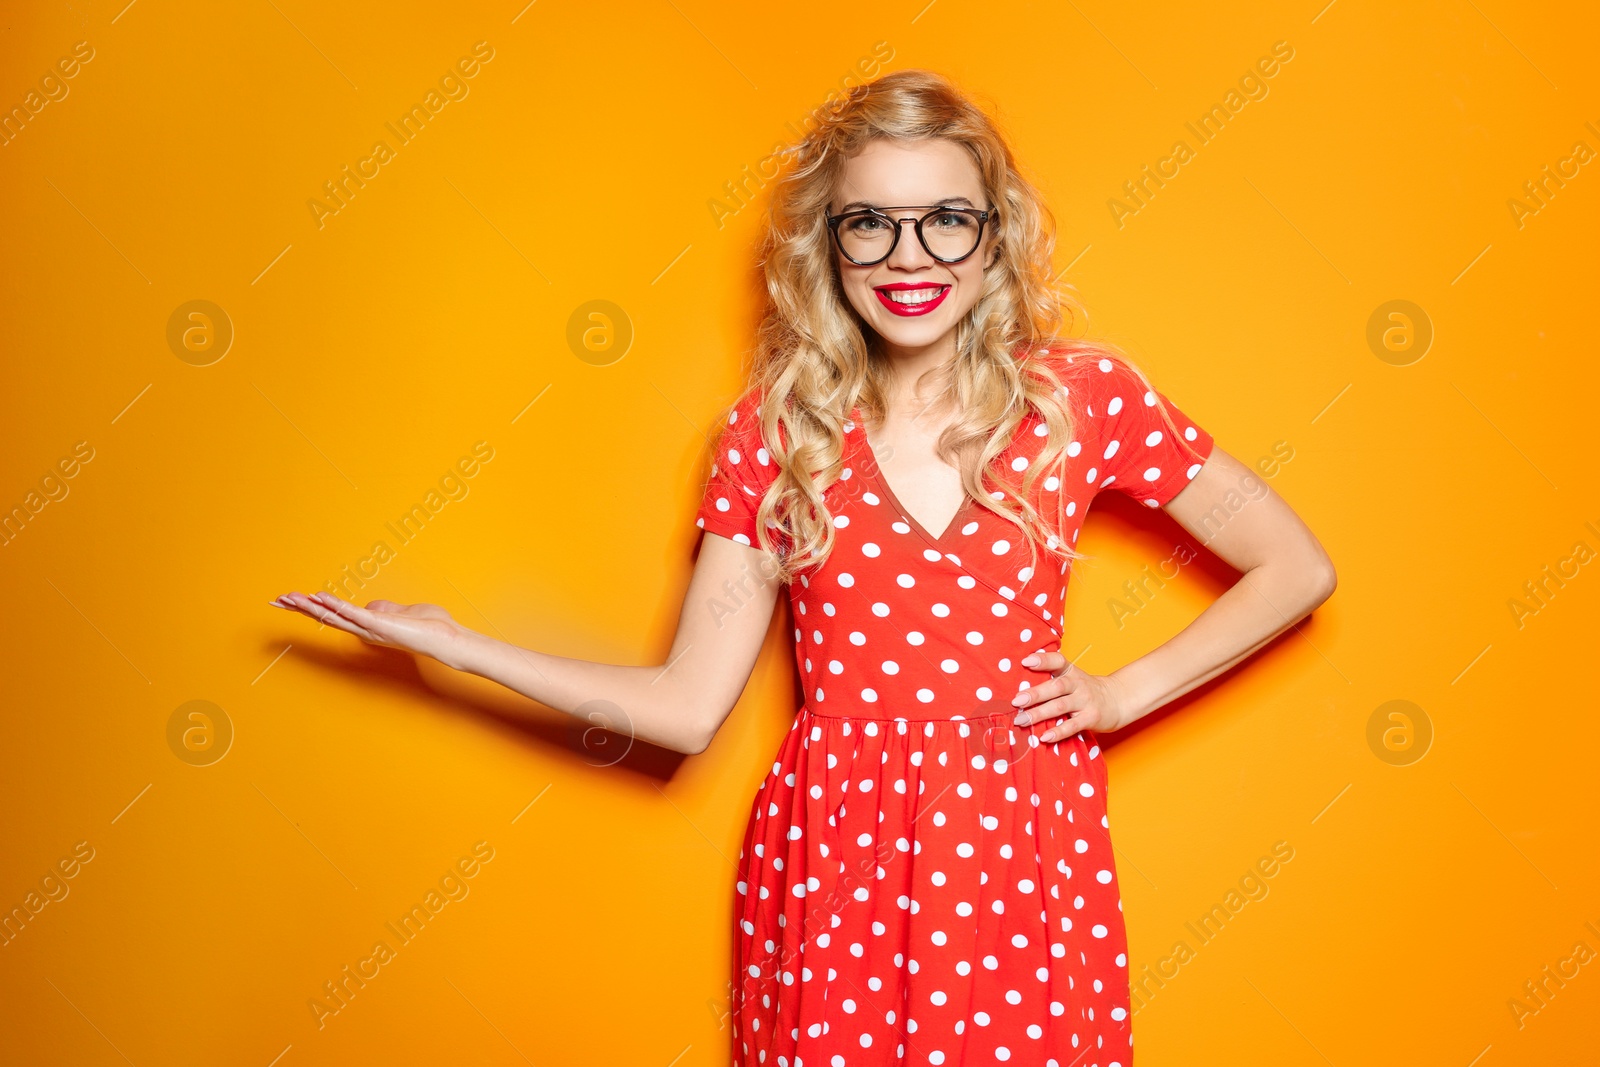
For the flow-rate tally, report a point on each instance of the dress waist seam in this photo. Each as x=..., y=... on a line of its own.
x=889, y=717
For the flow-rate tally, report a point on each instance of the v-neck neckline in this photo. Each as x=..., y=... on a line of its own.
x=940, y=541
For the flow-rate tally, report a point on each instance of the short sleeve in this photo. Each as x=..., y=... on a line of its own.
x=1137, y=452
x=741, y=471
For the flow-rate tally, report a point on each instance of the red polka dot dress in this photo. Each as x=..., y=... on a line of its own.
x=921, y=882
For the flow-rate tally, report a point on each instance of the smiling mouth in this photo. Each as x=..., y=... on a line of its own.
x=914, y=300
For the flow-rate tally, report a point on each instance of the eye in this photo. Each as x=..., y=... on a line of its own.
x=864, y=224
x=951, y=220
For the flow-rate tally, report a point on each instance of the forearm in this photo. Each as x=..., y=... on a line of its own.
x=1266, y=601
x=647, y=702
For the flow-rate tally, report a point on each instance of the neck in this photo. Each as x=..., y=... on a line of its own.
x=908, y=364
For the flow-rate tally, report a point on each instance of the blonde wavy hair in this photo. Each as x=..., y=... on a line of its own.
x=815, y=359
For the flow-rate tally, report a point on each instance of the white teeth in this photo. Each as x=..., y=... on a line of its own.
x=913, y=296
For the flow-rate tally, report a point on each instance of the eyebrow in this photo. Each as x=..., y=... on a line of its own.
x=854, y=204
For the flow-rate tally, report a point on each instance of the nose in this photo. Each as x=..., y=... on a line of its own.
x=908, y=252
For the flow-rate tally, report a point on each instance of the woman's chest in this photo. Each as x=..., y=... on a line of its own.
x=979, y=562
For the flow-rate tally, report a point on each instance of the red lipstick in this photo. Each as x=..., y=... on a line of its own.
x=911, y=310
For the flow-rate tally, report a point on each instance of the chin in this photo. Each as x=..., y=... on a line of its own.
x=914, y=334
x=909, y=332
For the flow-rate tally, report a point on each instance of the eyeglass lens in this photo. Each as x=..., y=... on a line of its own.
x=947, y=235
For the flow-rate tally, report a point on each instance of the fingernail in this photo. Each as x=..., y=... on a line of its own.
x=1022, y=719
x=1030, y=661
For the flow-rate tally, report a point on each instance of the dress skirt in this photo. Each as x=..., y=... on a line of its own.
x=928, y=892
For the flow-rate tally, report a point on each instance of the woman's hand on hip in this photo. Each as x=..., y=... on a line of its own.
x=1079, y=700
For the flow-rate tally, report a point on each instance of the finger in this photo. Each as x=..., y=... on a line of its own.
x=1049, y=709
x=1045, y=660
x=328, y=617
x=1029, y=695
x=1063, y=683
x=1068, y=725
x=302, y=605
x=416, y=611
x=345, y=609
x=325, y=614
x=374, y=624
x=336, y=622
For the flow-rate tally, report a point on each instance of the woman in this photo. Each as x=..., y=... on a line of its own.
x=927, y=876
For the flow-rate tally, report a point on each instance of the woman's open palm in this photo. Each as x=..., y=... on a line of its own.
x=427, y=629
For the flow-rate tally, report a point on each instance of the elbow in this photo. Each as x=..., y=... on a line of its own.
x=1323, y=582
x=700, y=737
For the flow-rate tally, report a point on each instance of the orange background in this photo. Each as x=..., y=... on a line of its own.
x=371, y=352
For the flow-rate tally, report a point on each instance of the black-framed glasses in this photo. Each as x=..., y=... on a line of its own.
x=869, y=236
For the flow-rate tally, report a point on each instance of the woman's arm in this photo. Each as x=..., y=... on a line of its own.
x=1285, y=574
x=678, y=704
